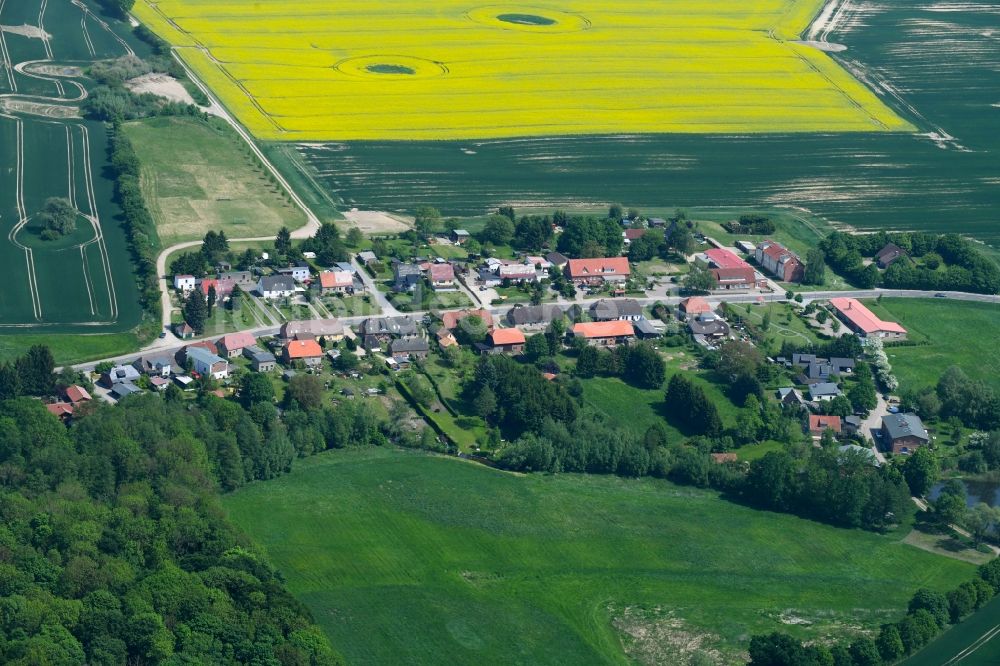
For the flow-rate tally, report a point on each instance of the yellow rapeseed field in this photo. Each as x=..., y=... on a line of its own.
x=318, y=70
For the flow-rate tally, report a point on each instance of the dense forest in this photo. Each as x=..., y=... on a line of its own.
x=113, y=548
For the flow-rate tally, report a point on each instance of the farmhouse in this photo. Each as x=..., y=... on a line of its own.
x=557, y=259
x=378, y=332
x=604, y=333
x=276, y=286
x=310, y=329
x=183, y=330
x=888, y=255
x=730, y=272
x=184, y=283
x=624, y=309
x=863, y=321
x=299, y=273
x=818, y=424
x=442, y=277
x=790, y=397
x=367, y=258
x=694, y=306
x=406, y=276
x=903, y=433
x=233, y=344
x=409, y=348
x=709, y=326
x=335, y=282
x=596, y=272
x=451, y=320
x=76, y=394
x=779, y=261
x=533, y=316
x=260, y=360
x=307, y=351
x=119, y=374
x=823, y=391
x=460, y=236
x=506, y=341
x=61, y=410
x=154, y=364
x=206, y=363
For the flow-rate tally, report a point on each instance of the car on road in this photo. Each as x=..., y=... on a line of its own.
x=940, y=295
x=163, y=334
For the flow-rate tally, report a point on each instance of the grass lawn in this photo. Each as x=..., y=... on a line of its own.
x=957, y=332
x=197, y=176
x=636, y=409
x=786, y=324
x=72, y=348
x=404, y=557
x=759, y=450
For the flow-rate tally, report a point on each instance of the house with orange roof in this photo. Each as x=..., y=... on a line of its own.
x=694, y=306
x=335, y=282
x=307, y=351
x=451, y=320
x=76, y=394
x=604, y=333
x=505, y=341
x=819, y=423
x=61, y=410
x=596, y=272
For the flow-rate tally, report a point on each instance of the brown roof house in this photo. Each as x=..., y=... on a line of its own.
x=506, y=341
x=888, y=255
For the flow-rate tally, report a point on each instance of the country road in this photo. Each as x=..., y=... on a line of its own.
x=172, y=343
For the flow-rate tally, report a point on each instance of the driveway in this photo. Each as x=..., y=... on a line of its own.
x=873, y=424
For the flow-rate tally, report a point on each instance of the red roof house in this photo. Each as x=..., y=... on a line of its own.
x=818, y=424
x=508, y=340
x=307, y=351
x=76, y=394
x=599, y=271
x=606, y=333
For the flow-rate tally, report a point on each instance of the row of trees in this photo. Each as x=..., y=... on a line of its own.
x=928, y=613
x=139, y=226
x=639, y=365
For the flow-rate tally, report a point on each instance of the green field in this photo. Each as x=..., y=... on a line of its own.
x=198, y=175
x=974, y=642
x=82, y=283
x=408, y=558
x=956, y=332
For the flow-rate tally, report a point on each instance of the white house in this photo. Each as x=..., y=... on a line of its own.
x=298, y=273
x=184, y=283
x=205, y=362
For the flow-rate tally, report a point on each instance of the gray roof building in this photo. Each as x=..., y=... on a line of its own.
x=897, y=426
x=824, y=391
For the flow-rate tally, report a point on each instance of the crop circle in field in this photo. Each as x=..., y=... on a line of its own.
x=528, y=19
x=398, y=67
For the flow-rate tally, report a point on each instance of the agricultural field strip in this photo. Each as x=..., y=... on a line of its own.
x=92, y=216
x=754, y=80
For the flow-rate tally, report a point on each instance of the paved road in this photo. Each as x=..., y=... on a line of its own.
x=172, y=343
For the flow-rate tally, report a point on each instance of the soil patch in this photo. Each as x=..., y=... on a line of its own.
x=161, y=85
x=30, y=31
x=375, y=222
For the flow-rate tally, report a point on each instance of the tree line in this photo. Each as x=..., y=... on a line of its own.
x=965, y=267
x=140, y=229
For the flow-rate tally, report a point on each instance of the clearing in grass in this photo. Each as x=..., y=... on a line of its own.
x=197, y=175
x=367, y=70
x=405, y=557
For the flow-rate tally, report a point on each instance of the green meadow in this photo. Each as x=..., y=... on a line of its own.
x=404, y=557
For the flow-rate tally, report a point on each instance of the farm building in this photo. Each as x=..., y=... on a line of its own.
x=530, y=316
x=604, y=333
x=310, y=329
x=863, y=321
x=260, y=360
